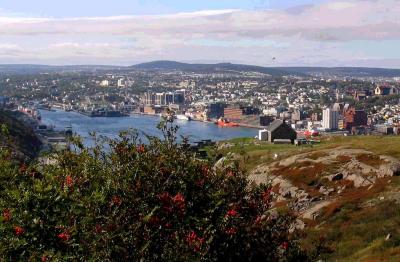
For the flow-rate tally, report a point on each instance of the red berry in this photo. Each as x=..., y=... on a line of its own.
x=179, y=199
x=285, y=245
x=64, y=236
x=231, y=231
x=19, y=231
x=69, y=181
x=231, y=213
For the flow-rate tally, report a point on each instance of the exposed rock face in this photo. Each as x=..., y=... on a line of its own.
x=331, y=172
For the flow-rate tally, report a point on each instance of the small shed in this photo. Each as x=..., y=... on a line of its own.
x=263, y=135
x=278, y=129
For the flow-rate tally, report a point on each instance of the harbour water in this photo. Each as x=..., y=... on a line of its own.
x=111, y=126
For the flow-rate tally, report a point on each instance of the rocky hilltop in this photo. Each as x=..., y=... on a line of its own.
x=345, y=192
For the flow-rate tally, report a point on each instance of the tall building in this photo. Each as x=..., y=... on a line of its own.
x=163, y=99
x=121, y=82
x=330, y=119
x=148, y=98
x=355, y=118
x=179, y=97
x=160, y=99
x=215, y=110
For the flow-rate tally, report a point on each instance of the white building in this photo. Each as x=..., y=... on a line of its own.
x=330, y=119
x=121, y=82
x=105, y=83
x=263, y=135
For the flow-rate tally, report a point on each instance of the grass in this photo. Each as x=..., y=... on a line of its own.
x=257, y=152
x=358, y=234
x=356, y=231
x=353, y=228
x=382, y=145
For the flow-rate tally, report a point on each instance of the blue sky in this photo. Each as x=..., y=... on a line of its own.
x=125, y=32
x=79, y=8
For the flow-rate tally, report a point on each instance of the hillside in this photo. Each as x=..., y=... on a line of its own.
x=274, y=71
x=221, y=67
x=21, y=139
x=345, y=71
x=205, y=68
x=345, y=191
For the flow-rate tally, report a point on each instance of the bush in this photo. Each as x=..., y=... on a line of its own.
x=133, y=201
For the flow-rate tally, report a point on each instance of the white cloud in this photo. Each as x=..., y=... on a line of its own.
x=310, y=34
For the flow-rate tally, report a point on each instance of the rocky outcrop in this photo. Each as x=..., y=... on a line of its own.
x=338, y=171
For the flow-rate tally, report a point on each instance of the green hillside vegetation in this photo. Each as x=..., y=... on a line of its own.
x=360, y=223
x=159, y=202
x=17, y=135
x=137, y=202
x=256, y=152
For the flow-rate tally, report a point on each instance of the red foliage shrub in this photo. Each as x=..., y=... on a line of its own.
x=132, y=202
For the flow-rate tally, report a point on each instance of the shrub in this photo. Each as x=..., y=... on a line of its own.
x=133, y=201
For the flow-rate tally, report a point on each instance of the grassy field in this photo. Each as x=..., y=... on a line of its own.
x=355, y=226
x=257, y=152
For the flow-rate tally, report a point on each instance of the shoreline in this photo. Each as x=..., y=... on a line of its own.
x=199, y=120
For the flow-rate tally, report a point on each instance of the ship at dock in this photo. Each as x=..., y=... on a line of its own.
x=225, y=123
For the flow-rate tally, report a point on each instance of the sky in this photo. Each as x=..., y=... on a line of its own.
x=259, y=32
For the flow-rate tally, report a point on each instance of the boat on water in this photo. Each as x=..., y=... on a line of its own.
x=183, y=117
x=225, y=123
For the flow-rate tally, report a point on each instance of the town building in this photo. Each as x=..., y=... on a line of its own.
x=355, y=118
x=105, y=83
x=330, y=119
x=384, y=90
x=121, y=82
x=163, y=99
x=215, y=110
x=232, y=113
x=278, y=129
x=266, y=120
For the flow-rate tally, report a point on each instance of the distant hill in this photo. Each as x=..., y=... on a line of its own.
x=345, y=71
x=275, y=71
x=38, y=69
x=22, y=139
x=221, y=67
x=164, y=65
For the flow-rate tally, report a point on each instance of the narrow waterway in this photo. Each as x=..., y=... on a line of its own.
x=110, y=127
